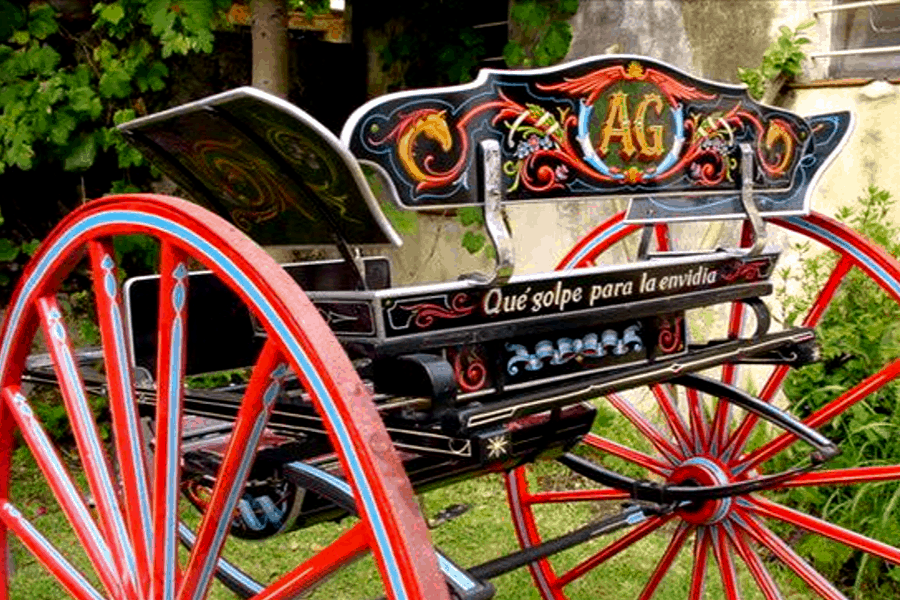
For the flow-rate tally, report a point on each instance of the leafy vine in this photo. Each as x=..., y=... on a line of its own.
x=782, y=60
x=540, y=34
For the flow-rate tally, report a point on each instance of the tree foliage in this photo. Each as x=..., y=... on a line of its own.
x=540, y=34
x=429, y=42
x=66, y=80
x=63, y=90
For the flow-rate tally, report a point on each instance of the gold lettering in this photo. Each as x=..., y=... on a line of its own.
x=617, y=127
x=655, y=148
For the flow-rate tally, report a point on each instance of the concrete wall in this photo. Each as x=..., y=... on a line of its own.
x=872, y=154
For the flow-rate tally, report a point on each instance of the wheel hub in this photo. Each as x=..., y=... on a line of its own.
x=702, y=471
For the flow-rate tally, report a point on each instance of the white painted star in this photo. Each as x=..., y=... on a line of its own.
x=497, y=446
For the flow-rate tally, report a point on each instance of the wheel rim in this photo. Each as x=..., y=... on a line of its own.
x=729, y=535
x=132, y=544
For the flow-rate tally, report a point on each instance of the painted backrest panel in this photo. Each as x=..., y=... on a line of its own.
x=608, y=126
x=266, y=166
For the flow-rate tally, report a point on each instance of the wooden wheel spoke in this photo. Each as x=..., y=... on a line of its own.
x=69, y=577
x=663, y=238
x=826, y=294
x=741, y=433
x=815, y=525
x=646, y=428
x=67, y=494
x=127, y=436
x=764, y=537
x=624, y=452
x=735, y=328
x=721, y=416
x=699, y=425
x=718, y=430
x=701, y=556
x=673, y=417
x=665, y=562
x=726, y=563
x=264, y=387
x=845, y=476
x=87, y=438
x=224, y=567
x=171, y=346
x=349, y=546
x=757, y=569
x=595, y=495
x=633, y=536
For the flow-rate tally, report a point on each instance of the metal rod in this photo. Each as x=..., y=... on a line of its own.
x=630, y=516
x=854, y=5
x=856, y=52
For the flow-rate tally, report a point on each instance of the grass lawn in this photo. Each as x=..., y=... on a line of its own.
x=481, y=533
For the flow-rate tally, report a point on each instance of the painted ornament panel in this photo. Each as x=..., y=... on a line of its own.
x=599, y=127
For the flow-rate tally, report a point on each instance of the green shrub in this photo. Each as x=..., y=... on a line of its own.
x=858, y=334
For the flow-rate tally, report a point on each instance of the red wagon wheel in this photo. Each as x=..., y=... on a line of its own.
x=130, y=537
x=684, y=441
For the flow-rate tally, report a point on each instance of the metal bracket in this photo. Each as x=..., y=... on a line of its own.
x=492, y=199
x=643, y=252
x=756, y=221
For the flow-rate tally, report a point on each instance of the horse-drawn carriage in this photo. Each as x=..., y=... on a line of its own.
x=359, y=394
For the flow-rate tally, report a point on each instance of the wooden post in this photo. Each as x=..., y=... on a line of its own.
x=270, y=46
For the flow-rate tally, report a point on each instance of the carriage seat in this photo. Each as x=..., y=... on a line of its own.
x=680, y=148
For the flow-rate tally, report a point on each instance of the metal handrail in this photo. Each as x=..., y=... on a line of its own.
x=853, y=5
x=855, y=52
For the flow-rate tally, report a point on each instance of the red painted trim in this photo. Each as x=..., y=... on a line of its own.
x=612, y=549
x=348, y=547
x=665, y=562
x=772, y=510
x=243, y=440
x=637, y=419
x=786, y=554
x=72, y=504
